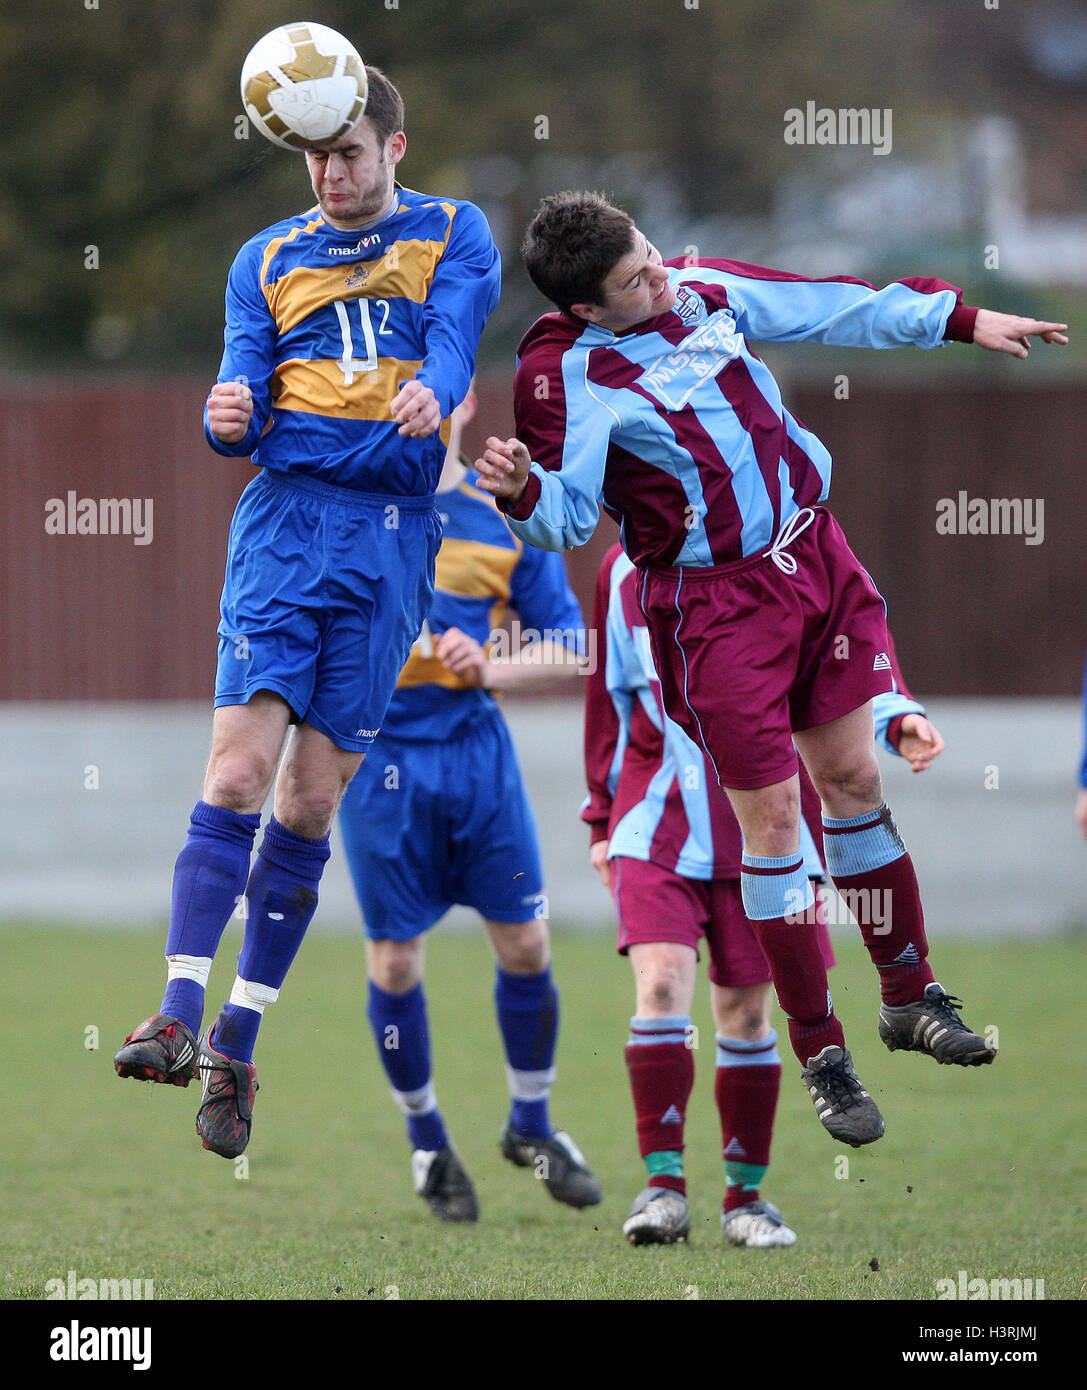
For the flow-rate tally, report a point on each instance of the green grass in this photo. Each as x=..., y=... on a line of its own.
x=980, y=1170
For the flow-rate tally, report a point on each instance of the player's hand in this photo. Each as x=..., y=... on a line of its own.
x=919, y=742
x=416, y=410
x=462, y=655
x=1008, y=333
x=230, y=408
x=503, y=469
x=598, y=858
x=1081, y=812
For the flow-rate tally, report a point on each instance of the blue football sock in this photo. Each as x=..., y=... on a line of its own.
x=281, y=898
x=528, y=1019
x=235, y=1032
x=184, y=999
x=402, y=1034
x=209, y=880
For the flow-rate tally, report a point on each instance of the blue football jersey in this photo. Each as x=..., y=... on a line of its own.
x=325, y=325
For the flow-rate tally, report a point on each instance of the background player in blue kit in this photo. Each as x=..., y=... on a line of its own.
x=351, y=333
x=438, y=815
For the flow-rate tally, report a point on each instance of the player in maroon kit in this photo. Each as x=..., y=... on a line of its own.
x=666, y=843
x=642, y=394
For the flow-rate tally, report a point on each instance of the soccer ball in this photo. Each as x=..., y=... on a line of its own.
x=303, y=84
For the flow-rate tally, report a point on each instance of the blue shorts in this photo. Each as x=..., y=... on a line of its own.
x=426, y=825
x=326, y=589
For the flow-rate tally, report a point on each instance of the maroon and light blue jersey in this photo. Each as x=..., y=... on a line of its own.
x=677, y=429
x=651, y=794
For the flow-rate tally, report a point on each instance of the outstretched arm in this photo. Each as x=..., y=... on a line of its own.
x=1009, y=333
x=777, y=306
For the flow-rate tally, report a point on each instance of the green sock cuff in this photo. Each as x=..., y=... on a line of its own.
x=665, y=1163
x=746, y=1175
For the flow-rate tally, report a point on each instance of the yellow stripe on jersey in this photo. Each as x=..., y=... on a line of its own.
x=403, y=272
x=468, y=569
x=319, y=388
x=280, y=241
x=428, y=670
x=474, y=570
x=478, y=495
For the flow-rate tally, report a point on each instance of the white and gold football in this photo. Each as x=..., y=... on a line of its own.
x=303, y=84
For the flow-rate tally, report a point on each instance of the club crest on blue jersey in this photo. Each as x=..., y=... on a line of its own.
x=357, y=275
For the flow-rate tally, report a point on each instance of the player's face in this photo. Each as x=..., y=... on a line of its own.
x=353, y=176
x=635, y=289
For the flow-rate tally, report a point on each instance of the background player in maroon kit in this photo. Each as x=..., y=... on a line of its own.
x=667, y=845
x=641, y=394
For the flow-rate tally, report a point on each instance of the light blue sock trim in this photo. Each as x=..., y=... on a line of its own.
x=740, y=1052
x=782, y=892
x=861, y=850
x=649, y=1031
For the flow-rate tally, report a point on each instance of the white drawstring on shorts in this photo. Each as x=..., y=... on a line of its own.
x=799, y=521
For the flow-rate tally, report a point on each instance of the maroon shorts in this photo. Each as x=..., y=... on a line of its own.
x=656, y=904
x=747, y=654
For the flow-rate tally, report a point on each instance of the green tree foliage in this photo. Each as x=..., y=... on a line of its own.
x=126, y=190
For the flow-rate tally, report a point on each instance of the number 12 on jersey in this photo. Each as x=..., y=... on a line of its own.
x=351, y=365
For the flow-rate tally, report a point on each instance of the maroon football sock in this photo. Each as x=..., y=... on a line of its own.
x=886, y=903
x=746, y=1089
x=661, y=1077
x=791, y=948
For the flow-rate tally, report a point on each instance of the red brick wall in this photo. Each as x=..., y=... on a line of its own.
x=99, y=617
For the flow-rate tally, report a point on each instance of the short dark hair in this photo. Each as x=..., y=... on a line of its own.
x=384, y=105
x=572, y=244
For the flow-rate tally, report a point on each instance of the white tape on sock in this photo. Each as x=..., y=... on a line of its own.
x=420, y=1102
x=247, y=994
x=530, y=1085
x=196, y=968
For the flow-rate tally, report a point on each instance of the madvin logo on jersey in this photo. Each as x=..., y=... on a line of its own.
x=674, y=377
x=363, y=244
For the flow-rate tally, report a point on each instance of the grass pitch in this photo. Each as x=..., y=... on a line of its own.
x=981, y=1170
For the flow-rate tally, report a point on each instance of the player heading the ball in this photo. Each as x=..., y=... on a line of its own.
x=351, y=334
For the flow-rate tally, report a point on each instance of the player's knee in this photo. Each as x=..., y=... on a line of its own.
x=784, y=825
x=522, y=948
x=662, y=996
x=742, y=1012
x=309, y=815
x=859, y=782
x=742, y=1021
x=239, y=781
x=773, y=823
x=395, y=968
x=659, y=990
